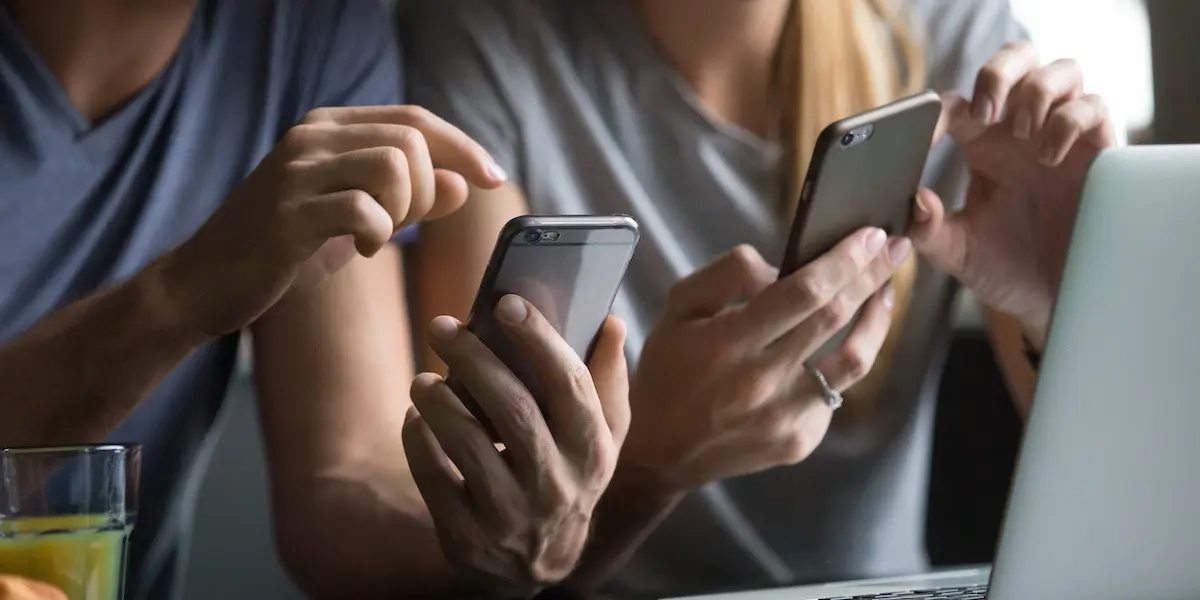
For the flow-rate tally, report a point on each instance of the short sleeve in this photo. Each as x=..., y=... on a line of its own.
x=455, y=55
x=354, y=57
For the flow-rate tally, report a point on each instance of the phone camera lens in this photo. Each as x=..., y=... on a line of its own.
x=847, y=139
x=533, y=237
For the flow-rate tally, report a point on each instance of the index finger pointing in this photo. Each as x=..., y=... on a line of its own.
x=449, y=147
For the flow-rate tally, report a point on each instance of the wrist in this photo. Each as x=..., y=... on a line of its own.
x=646, y=483
x=161, y=298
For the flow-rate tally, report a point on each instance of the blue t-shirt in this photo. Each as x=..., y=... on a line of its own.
x=83, y=205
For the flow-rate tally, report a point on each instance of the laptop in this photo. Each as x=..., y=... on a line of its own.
x=1105, y=503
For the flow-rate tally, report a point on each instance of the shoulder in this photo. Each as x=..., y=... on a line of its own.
x=473, y=62
x=298, y=29
x=315, y=52
x=501, y=28
x=959, y=36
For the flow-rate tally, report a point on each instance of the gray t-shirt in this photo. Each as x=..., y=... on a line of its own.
x=576, y=103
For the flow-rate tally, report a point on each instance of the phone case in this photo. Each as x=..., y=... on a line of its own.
x=869, y=182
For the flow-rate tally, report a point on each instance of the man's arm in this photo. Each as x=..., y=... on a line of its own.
x=333, y=367
x=73, y=377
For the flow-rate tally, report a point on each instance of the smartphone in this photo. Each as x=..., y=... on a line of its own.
x=865, y=171
x=569, y=267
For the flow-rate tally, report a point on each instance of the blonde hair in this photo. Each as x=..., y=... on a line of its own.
x=838, y=58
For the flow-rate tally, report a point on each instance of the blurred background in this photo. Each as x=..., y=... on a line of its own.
x=1136, y=53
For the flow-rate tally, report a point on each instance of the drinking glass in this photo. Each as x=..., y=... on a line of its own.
x=66, y=514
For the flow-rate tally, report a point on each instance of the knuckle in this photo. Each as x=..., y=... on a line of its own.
x=523, y=410
x=291, y=173
x=1064, y=121
x=780, y=425
x=416, y=116
x=411, y=140
x=579, y=381
x=789, y=438
x=854, y=362
x=357, y=203
x=743, y=257
x=809, y=289
x=1067, y=64
x=1035, y=90
x=318, y=115
x=1017, y=46
x=756, y=387
x=838, y=312
x=599, y=460
x=393, y=161
x=603, y=462
x=796, y=447
x=299, y=138
x=1098, y=104
x=556, y=495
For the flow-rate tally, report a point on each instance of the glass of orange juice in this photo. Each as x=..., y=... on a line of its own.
x=65, y=516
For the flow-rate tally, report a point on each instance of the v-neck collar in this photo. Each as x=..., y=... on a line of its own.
x=642, y=50
x=56, y=104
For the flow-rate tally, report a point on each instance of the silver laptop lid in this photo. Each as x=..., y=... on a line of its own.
x=1106, y=500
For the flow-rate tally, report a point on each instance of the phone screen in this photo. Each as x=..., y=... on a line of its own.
x=571, y=274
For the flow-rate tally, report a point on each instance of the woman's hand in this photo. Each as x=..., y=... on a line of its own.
x=1029, y=135
x=516, y=521
x=19, y=588
x=722, y=388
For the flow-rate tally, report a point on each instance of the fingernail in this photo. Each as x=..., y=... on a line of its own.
x=497, y=172
x=899, y=250
x=1049, y=153
x=922, y=213
x=1023, y=125
x=411, y=414
x=889, y=295
x=443, y=328
x=512, y=309
x=875, y=241
x=983, y=111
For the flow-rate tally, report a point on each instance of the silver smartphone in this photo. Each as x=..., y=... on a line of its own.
x=569, y=267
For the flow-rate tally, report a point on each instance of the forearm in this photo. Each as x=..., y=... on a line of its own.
x=333, y=366
x=630, y=510
x=74, y=376
x=356, y=536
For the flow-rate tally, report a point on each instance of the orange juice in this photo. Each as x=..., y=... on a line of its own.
x=82, y=555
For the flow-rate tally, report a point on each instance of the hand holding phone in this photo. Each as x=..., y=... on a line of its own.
x=568, y=267
x=518, y=518
x=864, y=172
